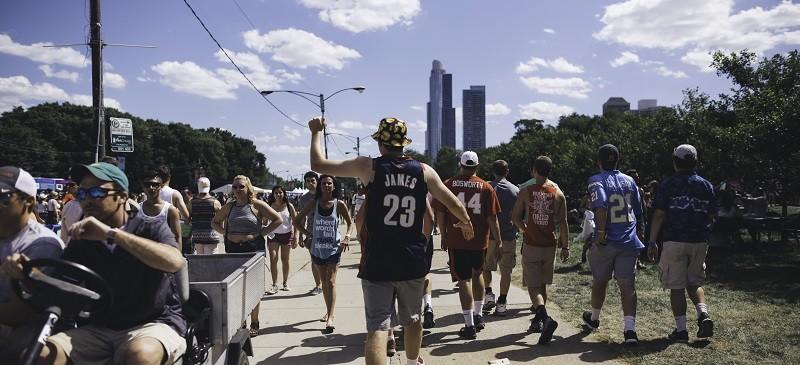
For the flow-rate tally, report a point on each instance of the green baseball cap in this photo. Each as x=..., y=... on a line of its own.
x=101, y=170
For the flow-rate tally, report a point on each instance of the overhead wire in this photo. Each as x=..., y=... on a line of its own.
x=245, y=14
x=237, y=66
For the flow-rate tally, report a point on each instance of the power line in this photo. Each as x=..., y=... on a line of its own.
x=237, y=66
x=245, y=14
x=337, y=147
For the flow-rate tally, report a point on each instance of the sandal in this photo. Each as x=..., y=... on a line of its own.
x=254, y=327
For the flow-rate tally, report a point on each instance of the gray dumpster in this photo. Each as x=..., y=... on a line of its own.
x=235, y=285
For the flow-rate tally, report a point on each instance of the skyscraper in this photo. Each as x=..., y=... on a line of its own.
x=474, y=104
x=441, y=131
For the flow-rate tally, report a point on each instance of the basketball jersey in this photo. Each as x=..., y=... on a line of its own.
x=480, y=200
x=395, y=248
x=540, y=228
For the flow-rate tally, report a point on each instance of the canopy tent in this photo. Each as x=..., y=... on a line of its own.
x=299, y=191
x=227, y=189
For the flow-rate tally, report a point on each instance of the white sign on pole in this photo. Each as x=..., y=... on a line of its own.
x=121, y=135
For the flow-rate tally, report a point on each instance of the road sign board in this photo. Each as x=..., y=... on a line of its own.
x=121, y=135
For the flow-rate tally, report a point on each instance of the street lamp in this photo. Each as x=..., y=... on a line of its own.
x=320, y=104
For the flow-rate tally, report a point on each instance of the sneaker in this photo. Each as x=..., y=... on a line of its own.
x=391, y=347
x=285, y=288
x=427, y=320
x=549, y=326
x=587, y=319
x=273, y=289
x=479, y=323
x=679, y=336
x=316, y=291
x=468, y=332
x=536, y=325
x=630, y=338
x=705, y=326
x=489, y=303
x=500, y=310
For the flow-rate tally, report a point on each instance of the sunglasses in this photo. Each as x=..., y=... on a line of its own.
x=95, y=192
x=237, y=187
x=151, y=184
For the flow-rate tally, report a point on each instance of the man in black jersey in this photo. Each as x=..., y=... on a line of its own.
x=394, y=257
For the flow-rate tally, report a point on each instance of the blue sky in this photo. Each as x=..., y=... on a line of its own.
x=538, y=59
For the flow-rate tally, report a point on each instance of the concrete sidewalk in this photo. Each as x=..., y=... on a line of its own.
x=291, y=332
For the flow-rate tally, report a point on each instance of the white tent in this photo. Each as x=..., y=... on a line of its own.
x=300, y=191
x=227, y=189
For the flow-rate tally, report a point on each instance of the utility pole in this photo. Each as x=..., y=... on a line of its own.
x=358, y=146
x=96, y=43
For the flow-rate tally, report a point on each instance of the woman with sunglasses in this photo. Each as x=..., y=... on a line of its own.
x=326, y=245
x=155, y=212
x=244, y=222
x=284, y=239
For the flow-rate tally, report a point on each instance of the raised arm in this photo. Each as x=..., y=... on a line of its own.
x=360, y=167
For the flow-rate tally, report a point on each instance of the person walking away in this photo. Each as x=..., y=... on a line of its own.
x=685, y=206
x=53, y=209
x=202, y=209
x=507, y=257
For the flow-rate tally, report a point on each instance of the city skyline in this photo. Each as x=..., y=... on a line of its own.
x=474, y=104
x=562, y=57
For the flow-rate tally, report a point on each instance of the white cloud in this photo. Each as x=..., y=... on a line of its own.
x=361, y=16
x=291, y=133
x=285, y=148
x=497, y=109
x=700, y=27
x=418, y=108
x=253, y=67
x=301, y=49
x=49, y=71
x=699, y=58
x=560, y=65
x=17, y=90
x=573, y=87
x=549, y=31
x=113, y=80
x=549, y=112
x=419, y=125
x=625, y=58
x=38, y=53
x=190, y=78
x=664, y=71
x=349, y=124
x=263, y=138
x=291, y=77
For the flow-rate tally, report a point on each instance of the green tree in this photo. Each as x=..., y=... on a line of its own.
x=446, y=164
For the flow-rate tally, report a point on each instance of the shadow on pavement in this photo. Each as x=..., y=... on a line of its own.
x=334, y=349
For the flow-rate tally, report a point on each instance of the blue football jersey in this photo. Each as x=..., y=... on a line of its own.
x=619, y=194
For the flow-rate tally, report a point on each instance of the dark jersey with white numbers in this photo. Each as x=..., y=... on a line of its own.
x=395, y=248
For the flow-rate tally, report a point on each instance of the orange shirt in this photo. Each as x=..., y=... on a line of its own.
x=540, y=225
x=480, y=200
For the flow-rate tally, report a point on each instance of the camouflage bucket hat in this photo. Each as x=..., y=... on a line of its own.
x=392, y=132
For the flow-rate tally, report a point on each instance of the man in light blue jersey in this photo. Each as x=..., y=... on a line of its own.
x=614, y=198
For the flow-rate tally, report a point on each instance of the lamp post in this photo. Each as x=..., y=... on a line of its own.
x=320, y=104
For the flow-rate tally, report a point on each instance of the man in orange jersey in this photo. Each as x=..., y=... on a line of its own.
x=546, y=206
x=467, y=257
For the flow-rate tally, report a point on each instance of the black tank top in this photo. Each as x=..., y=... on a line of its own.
x=395, y=248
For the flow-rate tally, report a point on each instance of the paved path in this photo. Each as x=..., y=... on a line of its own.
x=291, y=331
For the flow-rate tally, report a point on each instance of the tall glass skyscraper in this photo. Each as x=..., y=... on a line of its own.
x=441, y=131
x=474, y=104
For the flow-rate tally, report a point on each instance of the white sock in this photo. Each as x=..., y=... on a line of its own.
x=680, y=323
x=701, y=308
x=595, y=314
x=468, y=318
x=426, y=300
x=630, y=323
x=478, y=307
x=412, y=362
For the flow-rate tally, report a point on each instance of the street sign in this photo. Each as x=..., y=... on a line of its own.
x=121, y=135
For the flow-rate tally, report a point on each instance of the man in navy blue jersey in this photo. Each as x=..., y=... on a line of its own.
x=394, y=255
x=615, y=201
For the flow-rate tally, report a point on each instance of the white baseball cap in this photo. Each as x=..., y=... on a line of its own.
x=685, y=151
x=14, y=178
x=203, y=185
x=469, y=159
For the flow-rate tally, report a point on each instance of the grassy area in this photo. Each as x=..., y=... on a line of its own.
x=753, y=295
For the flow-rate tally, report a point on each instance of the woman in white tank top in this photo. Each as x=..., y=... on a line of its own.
x=283, y=239
x=155, y=211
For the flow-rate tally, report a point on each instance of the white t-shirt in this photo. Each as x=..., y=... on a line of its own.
x=53, y=205
x=71, y=214
x=358, y=201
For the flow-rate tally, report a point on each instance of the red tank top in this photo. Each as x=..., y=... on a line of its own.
x=540, y=216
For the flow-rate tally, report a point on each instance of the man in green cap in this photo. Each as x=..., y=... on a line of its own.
x=144, y=324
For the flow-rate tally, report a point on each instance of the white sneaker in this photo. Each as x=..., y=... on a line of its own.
x=500, y=310
x=286, y=288
x=272, y=290
x=489, y=303
x=316, y=291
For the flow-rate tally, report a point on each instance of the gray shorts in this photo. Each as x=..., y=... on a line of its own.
x=609, y=259
x=379, y=299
